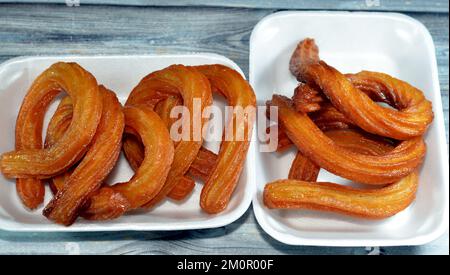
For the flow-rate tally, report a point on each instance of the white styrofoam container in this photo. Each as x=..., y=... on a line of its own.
x=392, y=43
x=120, y=74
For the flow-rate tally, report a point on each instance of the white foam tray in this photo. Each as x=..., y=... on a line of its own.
x=391, y=43
x=121, y=74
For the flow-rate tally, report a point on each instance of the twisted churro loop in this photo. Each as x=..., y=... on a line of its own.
x=223, y=177
x=148, y=179
x=150, y=169
x=315, y=145
x=217, y=191
x=414, y=112
x=30, y=161
x=98, y=162
x=44, y=163
x=174, y=81
x=134, y=153
x=133, y=147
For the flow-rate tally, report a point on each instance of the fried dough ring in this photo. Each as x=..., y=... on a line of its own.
x=200, y=168
x=29, y=160
x=98, y=162
x=174, y=81
x=315, y=145
x=133, y=148
x=149, y=177
x=370, y=204
x=112, y=201
x=135, y=154
x=228, y=179
x=414, y=112
x=203, y=163
x=217, y=191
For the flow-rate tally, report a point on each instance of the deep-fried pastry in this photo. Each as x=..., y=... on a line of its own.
x=360, y=142
x=109, y=202
x=182, y=189
x=133, y=150
x=217, y=191
x=60, y=122
x=200, y=168
x=31, y=191
x=283, y=142
x=354, y=140
x=414, y=112
x=301, y=191
x=306, y=99
x=105, y=204
x=306, y=52
x=315, y=145
x=56, y=128
x=218, y=188
x=29, y=160
x=322, y=120
x=327, y=119
x=371, y=204
x=303, y=168
x=175, y=80
x=163, y=109
x=98, y=162
x=203, y=164
x=149, y=178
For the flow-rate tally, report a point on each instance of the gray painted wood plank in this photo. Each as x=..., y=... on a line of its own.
x=241, y=237
x=380, y=5
x=29, y=30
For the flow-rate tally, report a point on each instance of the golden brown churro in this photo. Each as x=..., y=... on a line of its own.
x=30, y=162
x=98, y=162
x=323, y=120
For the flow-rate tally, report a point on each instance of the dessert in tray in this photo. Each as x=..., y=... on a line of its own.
x=336, y=122
x=90, y=128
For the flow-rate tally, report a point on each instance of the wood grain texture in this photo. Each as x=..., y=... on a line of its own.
x=379, y=5
x=56, y=29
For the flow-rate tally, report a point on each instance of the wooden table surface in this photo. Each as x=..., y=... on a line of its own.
x=50, y=27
